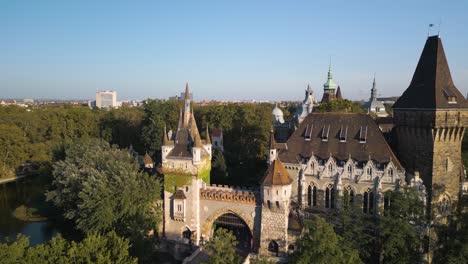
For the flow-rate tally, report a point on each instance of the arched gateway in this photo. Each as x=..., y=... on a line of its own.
x=236, y=221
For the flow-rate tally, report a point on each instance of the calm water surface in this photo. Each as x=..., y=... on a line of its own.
x=27, y=191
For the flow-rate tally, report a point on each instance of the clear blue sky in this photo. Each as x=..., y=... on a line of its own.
x=266, y=50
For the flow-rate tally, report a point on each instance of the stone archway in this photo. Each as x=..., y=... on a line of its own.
x=208, y=223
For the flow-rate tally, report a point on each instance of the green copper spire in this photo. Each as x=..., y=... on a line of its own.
x=330, y=83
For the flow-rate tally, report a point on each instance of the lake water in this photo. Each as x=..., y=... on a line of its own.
x=26, y=191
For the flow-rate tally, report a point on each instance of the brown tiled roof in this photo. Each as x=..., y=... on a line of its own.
x=344, y=131
x=276, y=175
x=338, y=93
x=179, y=195
x=432, y=85
x=147, y=159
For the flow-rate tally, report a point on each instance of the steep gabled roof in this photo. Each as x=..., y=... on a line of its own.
x=276, y=175
x=338, y=135
x=147, y=159
x=432, y=86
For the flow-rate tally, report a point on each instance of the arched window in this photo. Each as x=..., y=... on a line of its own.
x=273, y=248
x=348, y=197
x=368, y=202
x=330, y=167
x=350, y=168
x=312, y=196
x=291, y=247
x=330, y=197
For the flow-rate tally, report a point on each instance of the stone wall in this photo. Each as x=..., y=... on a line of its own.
x=429, y=141
x=274, y=226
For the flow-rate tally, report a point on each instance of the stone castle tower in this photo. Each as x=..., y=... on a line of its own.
x=186, y=165
x=430, y=119
x=276, y=188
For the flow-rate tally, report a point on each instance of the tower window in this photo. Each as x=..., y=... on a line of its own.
x=277, y=204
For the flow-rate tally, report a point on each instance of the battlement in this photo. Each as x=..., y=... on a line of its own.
x=228, y=193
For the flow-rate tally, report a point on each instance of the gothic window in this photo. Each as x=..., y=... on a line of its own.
x=277, y=204
x=269, y=204
x=368, y=202
x=390, y=172
x=444, y=207
x=312, y=196
x=330, y=167
x=330, y=197
x=369, y=171
x=348, y=197
x=350, y=169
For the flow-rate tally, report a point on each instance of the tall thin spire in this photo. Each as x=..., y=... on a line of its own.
x=374, y=90
x=187, y=93
x=165, y=138
x=208, y=140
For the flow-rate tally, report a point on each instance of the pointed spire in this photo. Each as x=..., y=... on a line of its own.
x=198, y=143
x=208, y=139
x=187, y=93
x=272, y=139
x=338, y=93
x=374, y=90
x=165, y=139
x=432, y=85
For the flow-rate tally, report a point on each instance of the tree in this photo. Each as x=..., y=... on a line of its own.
x=158, y=114
x=222, y=247
x=320, y=245
x=100, y=188
x=343, y=106
x=452, y=244
x=108, y=248
x=14, y=149
x=400, y=230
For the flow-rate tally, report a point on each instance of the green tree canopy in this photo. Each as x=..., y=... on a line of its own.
x=103, y=249
x=322, y=245
x=100, y=188
x=343, y=106
x=222, y=247
x=13, y=148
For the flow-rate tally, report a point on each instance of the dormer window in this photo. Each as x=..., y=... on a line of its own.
x=452, y=100
x=308, y=133
x=343, y=134
x=325, y=133
x=363, y=134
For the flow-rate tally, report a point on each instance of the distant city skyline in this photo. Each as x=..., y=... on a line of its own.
x=244, y=50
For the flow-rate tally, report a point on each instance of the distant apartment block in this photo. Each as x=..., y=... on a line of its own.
x=106, y=99
x=181, y=97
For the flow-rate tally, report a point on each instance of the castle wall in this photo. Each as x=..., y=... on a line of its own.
x=429, y=141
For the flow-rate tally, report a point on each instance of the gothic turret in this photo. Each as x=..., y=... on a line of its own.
x=375, y=106
x=307, y=105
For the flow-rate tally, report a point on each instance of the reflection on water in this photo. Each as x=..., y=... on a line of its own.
x=29, y=192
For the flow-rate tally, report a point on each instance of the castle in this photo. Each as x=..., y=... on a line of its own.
x=332, y=160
